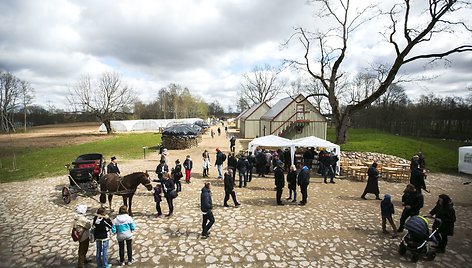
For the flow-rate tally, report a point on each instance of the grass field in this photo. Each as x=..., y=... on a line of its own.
x=441, y=155
x=42, y=163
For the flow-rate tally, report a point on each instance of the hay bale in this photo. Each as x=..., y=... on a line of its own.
x=180, y=142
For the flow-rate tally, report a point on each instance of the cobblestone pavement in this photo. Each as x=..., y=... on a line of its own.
x=335, y=229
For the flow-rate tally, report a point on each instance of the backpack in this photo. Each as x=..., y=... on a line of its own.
x=75, y=234
x=223, y=157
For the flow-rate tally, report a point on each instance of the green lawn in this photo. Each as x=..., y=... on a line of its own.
x=440, y=155
x=50, y=162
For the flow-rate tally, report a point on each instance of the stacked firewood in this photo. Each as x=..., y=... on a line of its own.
x=180, y=142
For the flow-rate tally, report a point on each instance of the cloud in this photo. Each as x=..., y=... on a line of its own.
x=203, y=45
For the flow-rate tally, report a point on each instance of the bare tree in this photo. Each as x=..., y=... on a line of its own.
x=26, y=98
x=262, y=84
x=405, y=33
x=9, y=94
x=103, y=98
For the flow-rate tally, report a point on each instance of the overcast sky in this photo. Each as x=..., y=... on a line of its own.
x=203, y=45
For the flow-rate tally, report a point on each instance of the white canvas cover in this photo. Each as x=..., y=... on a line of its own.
x=465, y=159
x=145, y=124
x=270, y=141
x=313, y=141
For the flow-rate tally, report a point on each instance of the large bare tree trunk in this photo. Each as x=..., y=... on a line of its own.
x=107, y=124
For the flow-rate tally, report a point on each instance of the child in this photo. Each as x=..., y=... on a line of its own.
x=177, y=175
x=387, y=210
x=102, y=225
x=123, y=227
x=157, y=198
x=188, y=165
x=82, y=225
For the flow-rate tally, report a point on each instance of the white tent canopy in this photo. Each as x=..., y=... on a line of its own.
x=269, y=141
x=465, y=159
x=272, y=141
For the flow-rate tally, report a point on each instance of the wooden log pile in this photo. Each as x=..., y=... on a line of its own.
x=180, y=142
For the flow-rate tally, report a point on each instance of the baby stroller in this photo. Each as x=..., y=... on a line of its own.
x=417, y=240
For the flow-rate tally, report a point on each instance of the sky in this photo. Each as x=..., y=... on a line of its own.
x=204, y=45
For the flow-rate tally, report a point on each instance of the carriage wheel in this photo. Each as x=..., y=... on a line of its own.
x=66, y=195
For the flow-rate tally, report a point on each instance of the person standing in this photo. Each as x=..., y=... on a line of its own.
x=112, y=167
x=158, y=199
x=417, y=175
x=212, y=132
x=177, y=175
x=229, y=189
x=102, y=225
x=444, y=211
x=219, y=131
x=279, y=183
x=387, y=210
x=251, y=160
x=412, y=202
x=372, y=186
x=188, y=165
x=242, y=170
x=220, y=159
x=292, y=183
x=303, y=181
x=123, y=227
x=165, y=155
x=232, y=164
x=206, y=163
x=232, y=144
x=287, y=159
x=82, y=225
x=206, y=206
x=260, y=163
x=168, y=185
x=161, y=169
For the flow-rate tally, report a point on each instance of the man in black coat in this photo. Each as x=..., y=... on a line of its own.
x=232, y=144
x=112, y=167
x=372, y=186
x=412, y=202
x=206, y=206
x=279, y=183
x=161, y=169
x=303, y=181
x=261, y=163
x=417, y=178
x=229, y=189
x=232, y=164
x=242, y=170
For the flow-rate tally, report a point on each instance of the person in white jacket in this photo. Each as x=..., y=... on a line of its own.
x=123, y=227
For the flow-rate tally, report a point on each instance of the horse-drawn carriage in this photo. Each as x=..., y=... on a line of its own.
x=84, y=175
x=87, y=177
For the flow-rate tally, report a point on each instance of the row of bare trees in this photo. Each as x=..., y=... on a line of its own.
x=15, y=96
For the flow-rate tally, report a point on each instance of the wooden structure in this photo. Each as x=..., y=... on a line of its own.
x=293, y=119
x=249, y=121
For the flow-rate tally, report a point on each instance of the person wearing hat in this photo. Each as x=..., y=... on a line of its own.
x=113, y=166
x=387, y=210
x=279, y=182
x=372, y=186
x=165, y=155
x=82, y=224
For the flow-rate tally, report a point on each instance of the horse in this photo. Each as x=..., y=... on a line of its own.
x=112, y=184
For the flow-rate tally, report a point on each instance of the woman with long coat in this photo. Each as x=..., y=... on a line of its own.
x=372, y=186
x=444, y=210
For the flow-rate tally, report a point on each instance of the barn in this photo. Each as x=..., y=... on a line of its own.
x=249, y=121
x=293, y=118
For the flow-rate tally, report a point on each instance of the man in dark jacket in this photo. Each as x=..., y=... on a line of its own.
x=161, y=169
x=417, y=177
x=232, y=164
x=261, y=163
x=279, y=183
x=229, y=189
x=242, y=170
x=303, y=181
x=232, y=144
x=206, y=206
x=112, y=167
x=372, y=186
x=220, y=159
x=412, y=202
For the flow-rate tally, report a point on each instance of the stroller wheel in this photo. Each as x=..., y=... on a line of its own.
x=402, y=249
x=430, y=256
x=415, y=257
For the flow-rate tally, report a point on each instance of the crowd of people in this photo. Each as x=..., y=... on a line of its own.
x=265, y=162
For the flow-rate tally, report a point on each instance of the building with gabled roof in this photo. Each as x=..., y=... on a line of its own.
x=293, y=117
x=249, y=120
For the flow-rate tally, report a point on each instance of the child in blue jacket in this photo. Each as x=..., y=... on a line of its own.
x=123, y=227
x=387, y=210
